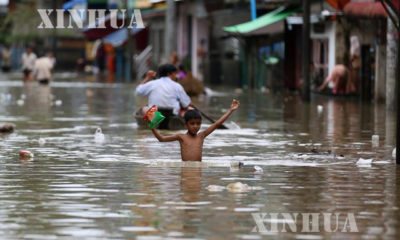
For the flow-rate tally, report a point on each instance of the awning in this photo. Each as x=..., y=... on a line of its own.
x=119, y=37
x=268, y=24
x=73, y=3
x=366, y=9
x=93, y=33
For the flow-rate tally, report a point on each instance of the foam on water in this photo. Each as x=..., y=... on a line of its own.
x=78, y=119
x=130, y=125
x=211, y=93
x=238, y=132
x=55, y=130
x=13, y=119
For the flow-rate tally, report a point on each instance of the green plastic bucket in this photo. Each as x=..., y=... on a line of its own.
x=156, y=120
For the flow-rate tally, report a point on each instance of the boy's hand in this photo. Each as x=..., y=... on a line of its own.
x=235, y=105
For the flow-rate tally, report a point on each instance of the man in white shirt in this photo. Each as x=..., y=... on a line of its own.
x=28, y=63
x=164, y=92
x=43, y=67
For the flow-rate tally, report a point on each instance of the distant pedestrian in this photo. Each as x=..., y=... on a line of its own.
x=340, y=78
x=181, y=73
x=43, y=68
x=6, y=59
x=28, y=63
x=101, y=57
x=174, y=59
x=355, y=61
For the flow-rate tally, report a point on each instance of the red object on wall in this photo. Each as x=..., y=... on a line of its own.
x=367, y=9
x=338, y=4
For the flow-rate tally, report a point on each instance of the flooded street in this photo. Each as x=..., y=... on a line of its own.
x=132, y=187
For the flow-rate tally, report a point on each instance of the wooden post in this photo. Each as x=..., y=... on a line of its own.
x=129, y=52
x=305, y=89
x=393, y=67
x=397, y=91
x=54, y=37
x=391, y=49
x=365, y=73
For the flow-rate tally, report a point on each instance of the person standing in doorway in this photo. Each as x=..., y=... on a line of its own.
x=101, y=57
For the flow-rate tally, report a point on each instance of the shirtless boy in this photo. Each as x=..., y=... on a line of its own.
x=192, y=142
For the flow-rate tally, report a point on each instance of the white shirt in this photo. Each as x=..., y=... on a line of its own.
x=28, y=61
x=164, y=92
x=43, y=67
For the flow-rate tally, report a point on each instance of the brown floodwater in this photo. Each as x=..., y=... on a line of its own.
x=130, y=186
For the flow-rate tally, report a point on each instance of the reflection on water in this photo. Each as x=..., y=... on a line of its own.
x=133, y=187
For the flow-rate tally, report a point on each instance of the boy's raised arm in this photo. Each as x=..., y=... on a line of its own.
x=235, y=105
x=162, y=138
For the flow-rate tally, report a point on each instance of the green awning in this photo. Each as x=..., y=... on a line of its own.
x=269, y=23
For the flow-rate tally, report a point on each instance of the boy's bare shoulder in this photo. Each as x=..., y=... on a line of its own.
x=181, y=136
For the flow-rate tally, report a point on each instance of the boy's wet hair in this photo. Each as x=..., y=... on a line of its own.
x=192, y=114
x=166, y=69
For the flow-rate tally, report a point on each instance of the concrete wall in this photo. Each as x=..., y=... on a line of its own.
x=331, y=36
x=380, y=73
x=199, y=30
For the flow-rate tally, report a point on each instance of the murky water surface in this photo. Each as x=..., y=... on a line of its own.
x=132, y=187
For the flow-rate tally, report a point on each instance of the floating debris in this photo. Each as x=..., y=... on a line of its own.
x=238, y=187
x=24, y=154
x=394, y=153
x=99, y=136
x=364, y=162
x=375, y=140
x=42, y=141
x=320, y=109
x=215, y=188
x=7, y=128
x=338, y=156
x=258, y=169
x=314, y=150
x=236, y=164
